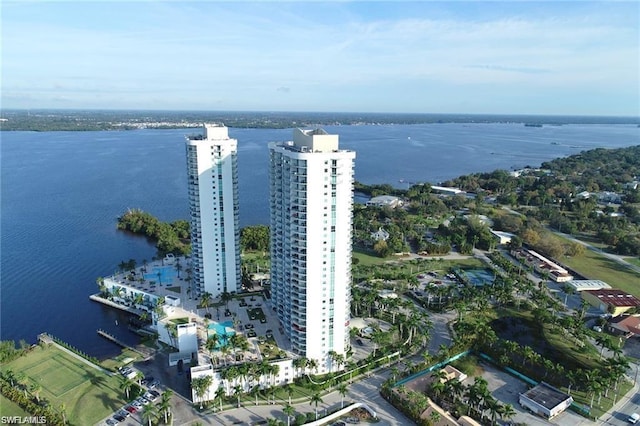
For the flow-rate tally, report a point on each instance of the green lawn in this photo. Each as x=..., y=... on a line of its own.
x=634, y=260
x=595, y=266
x=366, y=258
x=88, y=394
x=605, y=404
x=10, y=408
x=127, y=356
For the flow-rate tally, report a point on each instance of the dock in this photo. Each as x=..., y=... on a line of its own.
x=121, y=343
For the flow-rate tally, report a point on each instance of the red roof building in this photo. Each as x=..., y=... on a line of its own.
x=611, y=300
x=626, y=325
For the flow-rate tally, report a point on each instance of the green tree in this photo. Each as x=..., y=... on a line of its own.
x=289, y=411
x=165, y=404
x=342, y=390
x=201, y=386
x=315, y=399
x=149, y=413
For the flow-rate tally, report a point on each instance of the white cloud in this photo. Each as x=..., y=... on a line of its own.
x=181, y=50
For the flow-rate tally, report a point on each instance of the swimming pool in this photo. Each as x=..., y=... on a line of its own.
x=167, y=274
x=224, y=330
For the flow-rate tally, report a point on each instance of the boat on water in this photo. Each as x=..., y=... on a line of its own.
x=532, y=125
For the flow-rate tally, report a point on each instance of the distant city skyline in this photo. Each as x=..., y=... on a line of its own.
x=559, y=58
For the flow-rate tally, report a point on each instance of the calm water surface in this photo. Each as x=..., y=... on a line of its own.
x=62, y=192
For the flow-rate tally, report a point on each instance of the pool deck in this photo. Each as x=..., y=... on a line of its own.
x=188, y=307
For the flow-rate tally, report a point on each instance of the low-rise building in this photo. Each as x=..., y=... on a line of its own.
x=444, y=417
x=624, y=325
x=380, y=235
x=543, y=265
x=614, y=301
x=584, y=285
x=385, y=201
x=446, y=190
x=177, y=330
x=453, y=373
x=502, y=237
x=285, y=373
x=545, y=400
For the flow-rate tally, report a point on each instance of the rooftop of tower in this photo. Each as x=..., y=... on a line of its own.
x=314, y=140
x=212, y=131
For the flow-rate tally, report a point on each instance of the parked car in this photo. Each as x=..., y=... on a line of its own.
x=131, y=409
x=119, y=418
x=124, y=413
x=112, y=422
x=149, y=396
x=633, y=419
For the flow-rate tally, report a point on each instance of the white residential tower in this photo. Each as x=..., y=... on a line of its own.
x=311, y=203
x=212, y=175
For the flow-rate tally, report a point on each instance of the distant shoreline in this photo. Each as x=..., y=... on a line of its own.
x=96, y=120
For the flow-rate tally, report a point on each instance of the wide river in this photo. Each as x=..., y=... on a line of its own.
x=62, y=192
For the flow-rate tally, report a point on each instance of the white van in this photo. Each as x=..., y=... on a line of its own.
x=633, y=419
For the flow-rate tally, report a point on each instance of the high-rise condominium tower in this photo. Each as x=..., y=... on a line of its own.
x=311, y=205
x=212, y=175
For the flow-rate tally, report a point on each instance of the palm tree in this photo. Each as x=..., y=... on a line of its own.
x=237, y=391
x=101, y=286
x=603, y=342
x=220, y=394
x=149, y=413
x=139, y=377
x=165, y=404
x=300, y=364
x=289, y=411
x=255, y=391
x=342, y=390
x=212, y=342
x=63, y=413
x=507, y=412
x=126, y=384
x=35, y=390
x=313, y=364
x=205, y=300
x=289, y=390
x=201, y=386
x=315, y=399
x=138, y=299
x=10, y=376
x=225, y=298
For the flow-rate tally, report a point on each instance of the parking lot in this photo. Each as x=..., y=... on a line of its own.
x=506, y=388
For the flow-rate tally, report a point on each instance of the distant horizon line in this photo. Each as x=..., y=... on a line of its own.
x=316, y=112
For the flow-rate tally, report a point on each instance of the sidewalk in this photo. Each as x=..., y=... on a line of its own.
x=625, y=399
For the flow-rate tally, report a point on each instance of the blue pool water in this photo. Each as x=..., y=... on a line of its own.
x=220, y=329
x=167, y=274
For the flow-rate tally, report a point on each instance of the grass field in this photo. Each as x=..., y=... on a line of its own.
x=597, y=267
x=366, y=258
x=88, y=394
x=10, y=408
x=634, y=260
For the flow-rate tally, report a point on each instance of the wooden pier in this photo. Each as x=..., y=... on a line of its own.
x=121, y=344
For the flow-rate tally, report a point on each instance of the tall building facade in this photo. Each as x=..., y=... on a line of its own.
x=212, y=174
x=311, y=206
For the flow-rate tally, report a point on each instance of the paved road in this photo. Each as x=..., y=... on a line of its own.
x=627, y=405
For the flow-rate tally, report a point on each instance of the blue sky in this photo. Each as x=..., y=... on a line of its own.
x=516, y=57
